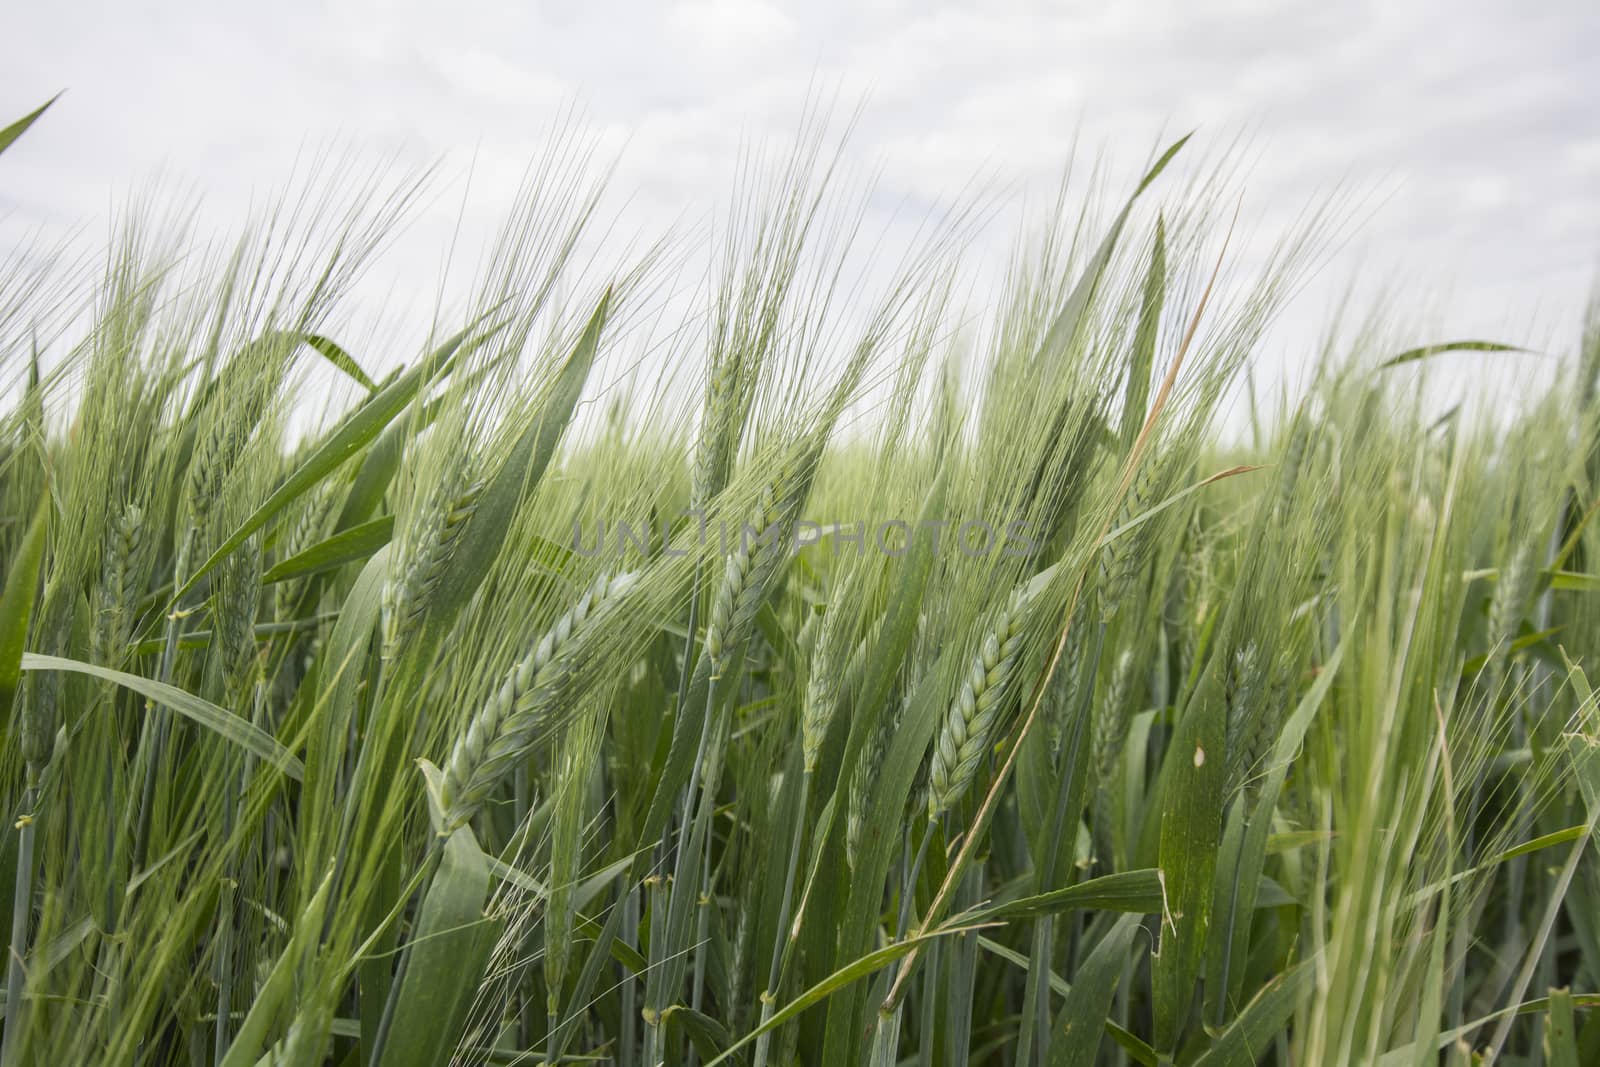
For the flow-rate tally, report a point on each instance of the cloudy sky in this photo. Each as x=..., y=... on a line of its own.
x=1471, y=129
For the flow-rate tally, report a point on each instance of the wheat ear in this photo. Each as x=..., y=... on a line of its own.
x=528, y=698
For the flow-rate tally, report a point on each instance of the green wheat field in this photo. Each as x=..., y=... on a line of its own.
x=847, y=676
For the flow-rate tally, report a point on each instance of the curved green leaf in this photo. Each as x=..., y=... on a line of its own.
x=449, y=953
x=20, y=127
x=223, y=723
x=709, y=1037
x=1241, y=1044
x=1412, y=355
x=340, y=359
x=347, y=546
x=1081, y=1023
x=1064, y=329
x=1190, y=835
x=1129, y=891
x=382, y=459
x=340, y=668
x=847, y=975
x=1136, y=397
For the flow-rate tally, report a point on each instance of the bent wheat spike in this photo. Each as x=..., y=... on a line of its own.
x=529, y=697
x=979, y=699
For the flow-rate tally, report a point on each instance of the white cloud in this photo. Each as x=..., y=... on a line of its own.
x=1480, y=125
x=729, y=25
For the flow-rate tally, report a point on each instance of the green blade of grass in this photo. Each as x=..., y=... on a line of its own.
x=1136, y=1049
x=1070, y=318
x=341, y=359
x=1237, y=890
x=20, y=127
x=223, y=723
x=1141, y=364
x=1137, y=892
x=1081, y=1022
x=341, y=668
x=709, y=1037
x=250, y=1043
x=1561, y=1031
x=1255, y=1028
x=347, y=546
x=449, y=952
x=1412, y=355
x=1190, y=834
x=842, y=978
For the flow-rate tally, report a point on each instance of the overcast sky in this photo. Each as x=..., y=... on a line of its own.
x=1477, y=124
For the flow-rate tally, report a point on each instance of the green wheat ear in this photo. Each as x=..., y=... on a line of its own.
x=532, y=695
x=967, y=729
x=1341, y=764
